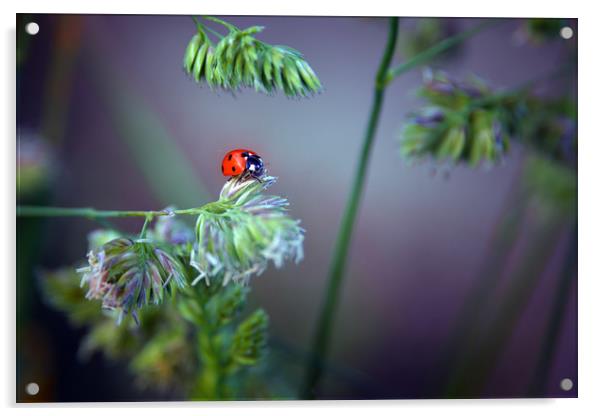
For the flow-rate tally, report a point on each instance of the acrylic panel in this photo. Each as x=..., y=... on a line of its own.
x=287, y=207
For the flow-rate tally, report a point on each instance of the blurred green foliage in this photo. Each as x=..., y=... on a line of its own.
x=162, y=351
x=461, y=124
x=552, y=186
x=196, y=340
x=425, y=33
x=469, y=123
x=542, y=30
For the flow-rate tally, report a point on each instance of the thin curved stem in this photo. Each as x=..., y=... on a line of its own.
x=229, y=26
x=465, y=329
x=478, y=359
x=214, y=32
x=147, y=220
x=33, y=211
x=549, y=342
x=326, y=317
x=435, y=50
x=202, y=27
x=198, y=24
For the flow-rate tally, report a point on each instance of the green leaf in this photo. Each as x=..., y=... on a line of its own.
x=250, y=339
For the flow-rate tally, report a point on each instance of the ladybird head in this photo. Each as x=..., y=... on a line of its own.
x=255, y=165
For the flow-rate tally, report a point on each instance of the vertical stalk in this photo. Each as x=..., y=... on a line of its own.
x=147, y=221
x=211, y=378
x=478, y=360
x=487, y=278
x=326, y=317
x=561, y=300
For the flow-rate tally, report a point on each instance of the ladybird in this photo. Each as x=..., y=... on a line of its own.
x=243, y=162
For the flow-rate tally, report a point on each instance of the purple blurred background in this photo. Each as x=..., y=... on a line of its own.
x=130, y=130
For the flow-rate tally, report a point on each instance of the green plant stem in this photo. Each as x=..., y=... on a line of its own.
x=384, y=76
x=326, y=317
x=227, y=25
x=147, y=220
x=91, y=213
x=202, y=27
x=436, y=50
x=211, y=378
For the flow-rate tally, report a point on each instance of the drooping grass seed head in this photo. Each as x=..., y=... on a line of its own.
x=240, y=60
x=237, y=236
x=458, y=125
x=443, y=91
x=198, y=58
x=488, y=142
x=127, y=275
x=192, y=50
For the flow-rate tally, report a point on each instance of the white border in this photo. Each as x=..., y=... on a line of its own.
x=590, y=202
x=457, y=8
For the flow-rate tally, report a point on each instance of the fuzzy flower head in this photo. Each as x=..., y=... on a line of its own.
x=459, y=125
x=239, y=60
x=128, y=275
x=237, y=236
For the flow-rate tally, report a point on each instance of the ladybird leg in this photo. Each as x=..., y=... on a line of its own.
x=242, y=177
x=255, y=178
x=252, y=175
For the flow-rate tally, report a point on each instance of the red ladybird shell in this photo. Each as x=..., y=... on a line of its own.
x=235, y=162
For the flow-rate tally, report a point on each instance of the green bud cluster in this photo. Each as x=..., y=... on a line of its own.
x=240, y=60
x=250, y=339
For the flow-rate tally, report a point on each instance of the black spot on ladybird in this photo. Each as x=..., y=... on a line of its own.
x=233, y=169
x=230, y=157
x=222, y=168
